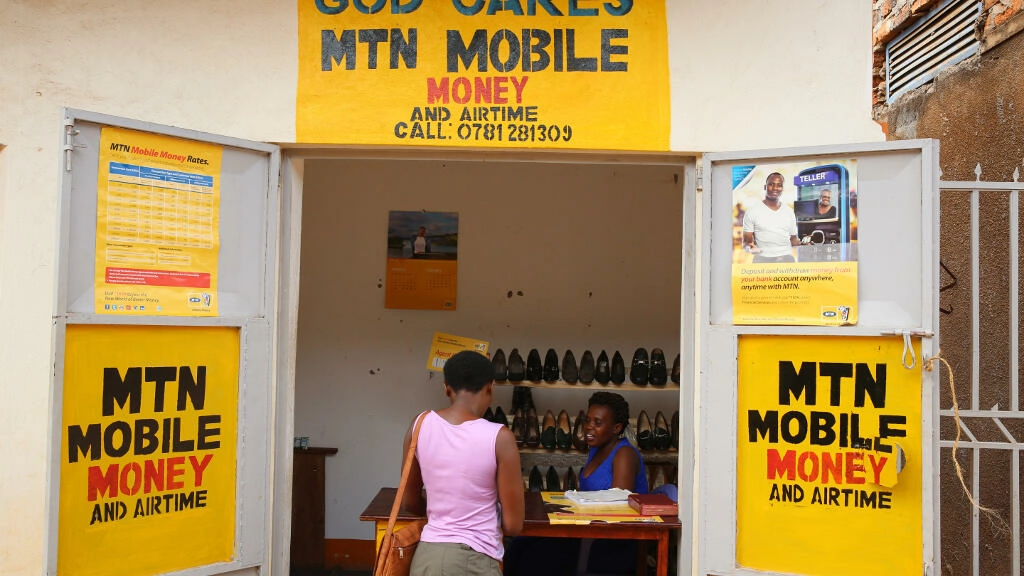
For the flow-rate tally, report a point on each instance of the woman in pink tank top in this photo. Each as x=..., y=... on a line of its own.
x=470, y=471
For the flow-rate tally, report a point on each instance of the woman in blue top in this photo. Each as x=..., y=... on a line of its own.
x=608, y=465
x=611, y=463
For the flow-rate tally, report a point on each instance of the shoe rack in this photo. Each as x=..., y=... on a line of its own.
x=554, y=441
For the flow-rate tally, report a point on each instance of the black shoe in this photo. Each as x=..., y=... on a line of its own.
x=570, y=373
x=526, y=397
x=500, y=418
x=662, y=437
x=551, y=366
x=489, y=414
x=563, y=431
x=570, y=479
x=500, y=367
x=553, y=482
x=532, y=433
x=675, y=369
x=658, y=375
x=536, y=480
x=618, y=371
x=675, y=430
x=644, y=434
x=639, y=370
x=579, y=438
x=534, y=369
x=602, y=372
x=519, y=426
x=587, y=368
x=516, y=368
x=547, y=434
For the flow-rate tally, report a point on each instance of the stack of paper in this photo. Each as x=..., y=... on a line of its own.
x=598, y=496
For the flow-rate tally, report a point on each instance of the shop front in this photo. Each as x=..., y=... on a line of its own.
x=233, y=276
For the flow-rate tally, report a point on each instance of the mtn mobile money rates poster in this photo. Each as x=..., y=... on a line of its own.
x=157, y=225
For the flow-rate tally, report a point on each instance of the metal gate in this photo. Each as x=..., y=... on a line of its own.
x=981, y=417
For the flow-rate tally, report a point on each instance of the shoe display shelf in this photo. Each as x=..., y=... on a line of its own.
x=531, y=456
x=594, y=387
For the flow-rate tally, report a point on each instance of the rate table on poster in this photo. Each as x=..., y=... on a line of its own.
x=159, y=207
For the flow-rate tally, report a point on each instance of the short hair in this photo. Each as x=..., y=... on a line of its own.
x=468, y=370
x=615, y=402
x=774, y=174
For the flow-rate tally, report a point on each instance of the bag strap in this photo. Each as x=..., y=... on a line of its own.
x=406, y=468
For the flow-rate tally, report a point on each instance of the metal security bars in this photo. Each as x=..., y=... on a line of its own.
x=987, y=378
x=942, y=38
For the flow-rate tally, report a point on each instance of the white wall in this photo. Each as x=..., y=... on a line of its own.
x=229, y=67
x=756, y=74
x=201, y=65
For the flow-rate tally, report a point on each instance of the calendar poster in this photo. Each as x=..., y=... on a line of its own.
x=157, y=225
x=422, y=268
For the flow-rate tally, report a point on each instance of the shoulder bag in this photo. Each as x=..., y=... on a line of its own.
x=397, y=547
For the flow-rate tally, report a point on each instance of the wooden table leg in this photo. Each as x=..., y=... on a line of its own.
x=641, y=558
x=662, y=568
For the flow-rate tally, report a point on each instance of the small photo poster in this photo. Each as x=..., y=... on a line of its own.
x=422, y=266
x=794, y=243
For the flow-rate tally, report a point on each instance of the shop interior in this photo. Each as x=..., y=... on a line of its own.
x=570, y=252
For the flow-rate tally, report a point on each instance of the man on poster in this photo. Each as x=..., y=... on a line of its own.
x=769, y=226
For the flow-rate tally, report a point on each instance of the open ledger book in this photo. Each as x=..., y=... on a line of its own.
x=608, y=496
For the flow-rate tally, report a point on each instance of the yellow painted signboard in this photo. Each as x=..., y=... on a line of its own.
x=147, y=473
x=157, y=225
x=829, y=475
x=568, y=74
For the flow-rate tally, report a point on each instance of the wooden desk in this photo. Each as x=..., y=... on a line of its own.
x=536, y=524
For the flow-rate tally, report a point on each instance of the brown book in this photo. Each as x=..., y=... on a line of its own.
x=653, y=505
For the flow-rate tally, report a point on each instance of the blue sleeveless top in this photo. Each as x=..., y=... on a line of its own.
x=601, y=479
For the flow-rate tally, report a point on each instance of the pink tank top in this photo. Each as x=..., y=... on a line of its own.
x=460, y=475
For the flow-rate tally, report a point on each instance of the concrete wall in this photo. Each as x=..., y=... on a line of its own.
x=230, y=68
x=975, y=109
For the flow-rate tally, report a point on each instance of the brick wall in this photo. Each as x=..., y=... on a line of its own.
x=894, y=16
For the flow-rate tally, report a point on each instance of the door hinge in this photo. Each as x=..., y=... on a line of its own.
x=69, y=143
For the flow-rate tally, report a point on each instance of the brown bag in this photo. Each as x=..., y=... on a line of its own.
x=398, y=547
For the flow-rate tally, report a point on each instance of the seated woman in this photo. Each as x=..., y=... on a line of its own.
x=612, y=462
x=607, y=465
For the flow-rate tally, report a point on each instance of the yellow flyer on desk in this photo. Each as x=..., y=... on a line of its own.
x=157, y=225
x=586, y=513
x=444, y=346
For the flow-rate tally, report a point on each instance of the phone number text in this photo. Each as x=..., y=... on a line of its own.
x=484, y=131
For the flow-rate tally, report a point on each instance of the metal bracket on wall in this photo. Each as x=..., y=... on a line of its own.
x=947, y=286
